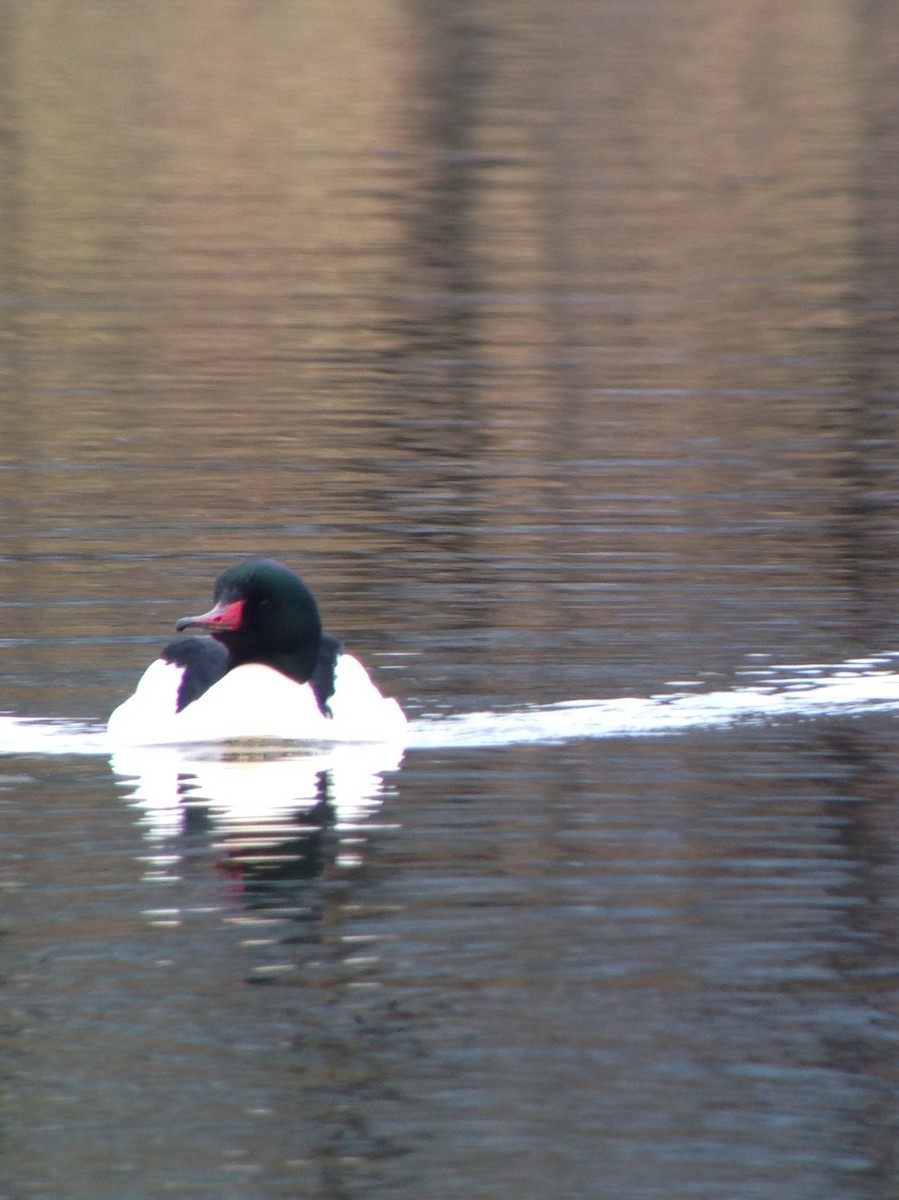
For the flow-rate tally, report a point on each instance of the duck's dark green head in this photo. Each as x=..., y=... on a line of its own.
x=263, y=613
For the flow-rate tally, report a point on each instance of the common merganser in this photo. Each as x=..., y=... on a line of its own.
x=267, y=671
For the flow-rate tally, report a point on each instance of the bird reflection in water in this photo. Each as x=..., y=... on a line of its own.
x=274, y=818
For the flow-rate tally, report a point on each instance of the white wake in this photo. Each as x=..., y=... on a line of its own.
x=843, y=692
x=850, y=689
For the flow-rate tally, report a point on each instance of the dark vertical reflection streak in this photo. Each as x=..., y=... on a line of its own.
x=20, y=447
x=870, y=467
x=864, y=835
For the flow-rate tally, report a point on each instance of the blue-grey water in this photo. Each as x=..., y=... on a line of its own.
x=555, y=346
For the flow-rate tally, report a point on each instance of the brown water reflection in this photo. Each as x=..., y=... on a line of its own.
x=555, y=345
x=452, y=308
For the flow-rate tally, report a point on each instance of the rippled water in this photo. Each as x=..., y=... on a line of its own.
x=554, y=345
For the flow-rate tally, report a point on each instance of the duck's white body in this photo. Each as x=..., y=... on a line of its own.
x=254, y=701
x=267, y=672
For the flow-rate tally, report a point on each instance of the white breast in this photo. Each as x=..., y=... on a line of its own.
x=254, y=701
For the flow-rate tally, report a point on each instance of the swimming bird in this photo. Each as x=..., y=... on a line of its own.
x=266, y=671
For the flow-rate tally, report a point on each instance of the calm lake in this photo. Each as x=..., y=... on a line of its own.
x=554, y=344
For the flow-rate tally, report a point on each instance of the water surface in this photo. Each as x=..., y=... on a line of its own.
x=554, y=345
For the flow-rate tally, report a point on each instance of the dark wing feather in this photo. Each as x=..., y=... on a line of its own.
x=204, y=660
x=322, y=681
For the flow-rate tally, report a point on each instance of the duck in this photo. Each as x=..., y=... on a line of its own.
x=260, y=668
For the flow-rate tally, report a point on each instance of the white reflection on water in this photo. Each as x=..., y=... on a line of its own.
x=251, y=789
